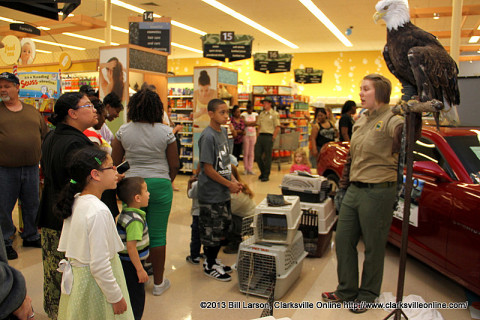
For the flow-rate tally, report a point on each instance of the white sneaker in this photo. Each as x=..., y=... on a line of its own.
x=227, y=269
x=158, y=289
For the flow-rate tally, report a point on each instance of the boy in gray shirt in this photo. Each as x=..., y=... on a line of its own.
x=215, y=182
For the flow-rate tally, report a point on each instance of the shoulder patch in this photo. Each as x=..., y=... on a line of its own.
x=379, y=125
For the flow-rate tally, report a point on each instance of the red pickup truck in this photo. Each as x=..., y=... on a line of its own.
x=444, y=230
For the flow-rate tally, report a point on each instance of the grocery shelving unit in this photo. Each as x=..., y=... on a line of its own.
x=180, y=99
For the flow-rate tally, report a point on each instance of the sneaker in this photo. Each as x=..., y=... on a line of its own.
x=358, y=307
x=217, y=273
x=193, y=260
x=158, y=289
x=34, y=243
x=227, y=269
x=251, y=173
x=11, y=253
x=330, y=297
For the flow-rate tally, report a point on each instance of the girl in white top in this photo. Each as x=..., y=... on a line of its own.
x=250, y=138
x=93, y=283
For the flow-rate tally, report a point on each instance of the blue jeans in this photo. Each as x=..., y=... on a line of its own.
x=19, y=183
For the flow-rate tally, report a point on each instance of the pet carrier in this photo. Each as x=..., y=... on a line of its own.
x=317, y=226
x=264, y=267
x=277, y=224
x=310, y=188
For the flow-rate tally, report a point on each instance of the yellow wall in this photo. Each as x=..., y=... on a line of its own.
x=343, y=72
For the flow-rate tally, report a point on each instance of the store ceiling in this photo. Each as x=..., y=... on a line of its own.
x=288, y=18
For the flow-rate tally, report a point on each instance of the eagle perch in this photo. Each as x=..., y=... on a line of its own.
x=418, y=60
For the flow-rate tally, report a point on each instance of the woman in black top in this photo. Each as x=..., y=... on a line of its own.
x=323, y=131
x=73, y=113
x=346, y=121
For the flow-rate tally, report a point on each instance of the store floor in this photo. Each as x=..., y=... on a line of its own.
x=189, y=286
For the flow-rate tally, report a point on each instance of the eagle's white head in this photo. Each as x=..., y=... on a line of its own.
x=394, y=12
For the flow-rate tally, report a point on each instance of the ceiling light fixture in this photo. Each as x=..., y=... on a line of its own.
x=474, y=39
x=42, y=51
x=436, y=16
x=10, y=20
x=250, y=22
x=58, y=44
x=120, y=29
x=186, y=47
x=323, y=19
x=79, y=36
x=141, y=11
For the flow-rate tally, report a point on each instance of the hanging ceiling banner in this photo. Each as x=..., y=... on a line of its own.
x=308, y=75
x=273, y=62
x=239, y=48
x=154, y=34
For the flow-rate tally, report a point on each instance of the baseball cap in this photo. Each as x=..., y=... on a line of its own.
x=269, y=99
x=9, y=77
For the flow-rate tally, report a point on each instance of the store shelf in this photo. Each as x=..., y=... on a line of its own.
x=181, y=109
x=180, y=97
x=182, y=121
x=186, y=157
x=186, y=170
x=185, y=133
x=186, y=144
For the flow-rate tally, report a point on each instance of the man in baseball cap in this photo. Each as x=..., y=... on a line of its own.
x=22, y=130
x=9, y=77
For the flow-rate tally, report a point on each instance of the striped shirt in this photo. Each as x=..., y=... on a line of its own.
x=132, y=226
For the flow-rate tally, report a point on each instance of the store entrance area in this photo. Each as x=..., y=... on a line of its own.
x=190, y=287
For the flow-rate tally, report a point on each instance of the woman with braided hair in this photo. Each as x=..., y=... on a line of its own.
x=151, y=150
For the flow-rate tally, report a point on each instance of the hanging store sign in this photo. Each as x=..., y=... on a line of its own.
x=214, y=47
x=23, y=27
x=43, y=85
x=273, y=62
x=151, y=34
x=308, y=75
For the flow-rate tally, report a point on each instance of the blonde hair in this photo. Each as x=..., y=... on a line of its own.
x=246, y=189
x=301, y=152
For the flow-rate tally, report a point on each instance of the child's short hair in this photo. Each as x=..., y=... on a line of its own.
x=128, y=188
x=301, y=152
x=213, y=104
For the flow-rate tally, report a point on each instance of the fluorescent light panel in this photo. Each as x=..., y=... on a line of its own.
x=10, y=20
x=119, y=29
x=474, y=39
x=323, y=19
x=186, y=47
x=58, y=44
x=141, y=11
x=250, y=22
x=79, y=36
x=42, y=51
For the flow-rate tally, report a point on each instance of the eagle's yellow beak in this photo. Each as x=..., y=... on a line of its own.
x=378, y=15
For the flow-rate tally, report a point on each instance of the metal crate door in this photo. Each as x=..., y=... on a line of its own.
x=256, y=273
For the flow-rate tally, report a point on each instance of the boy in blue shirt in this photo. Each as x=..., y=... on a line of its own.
x=133, y=230
x=215, y=182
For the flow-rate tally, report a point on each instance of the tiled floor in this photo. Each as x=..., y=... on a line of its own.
x=189, y=286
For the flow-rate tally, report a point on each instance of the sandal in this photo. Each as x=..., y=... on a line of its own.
x=358, y=307
x=330, y=296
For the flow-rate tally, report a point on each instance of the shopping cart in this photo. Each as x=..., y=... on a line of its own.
x=288, y=141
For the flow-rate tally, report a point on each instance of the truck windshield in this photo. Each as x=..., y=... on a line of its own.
x=467, y=149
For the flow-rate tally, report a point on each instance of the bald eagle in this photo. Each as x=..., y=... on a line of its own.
x=418, y=59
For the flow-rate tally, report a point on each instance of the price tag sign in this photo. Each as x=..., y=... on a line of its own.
x=308, y=70
x=227, y=36
x=148, y=16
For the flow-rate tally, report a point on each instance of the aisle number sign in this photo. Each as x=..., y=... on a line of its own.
x=11, y=51
x=43, y=85
x=154, y=34
x=227, y=45
x=273, y=62
x=308, y=75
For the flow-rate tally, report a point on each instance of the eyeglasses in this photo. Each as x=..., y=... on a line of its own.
x=108, y=168
x=88, y=105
